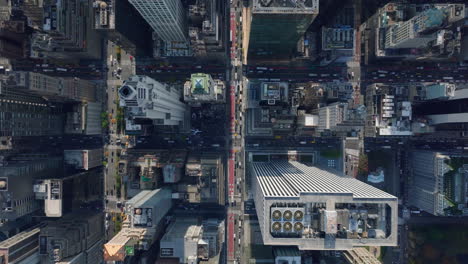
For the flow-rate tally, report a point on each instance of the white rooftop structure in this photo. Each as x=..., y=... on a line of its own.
x=317, y=209
x=146, y=98
x=292, y=179
x=148, y=207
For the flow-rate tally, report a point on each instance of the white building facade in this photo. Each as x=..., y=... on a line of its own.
x=145, y=98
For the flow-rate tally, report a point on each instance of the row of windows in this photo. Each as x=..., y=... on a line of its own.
x=141, y=93
x=17, y=115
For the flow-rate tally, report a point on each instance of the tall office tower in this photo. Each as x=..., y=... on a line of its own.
x=448, y=118
x=438, y=181
x=419, y=30
x=277, y=25
x=21, y=248
x=17, y=177
x=67, y=31
x=64, y=194
x=74, y=238
x=166, y=17
x=406, y=34
x=51, y=87
x=315, y=209
x=145, y=98
x=121, y=23
x=25, y=114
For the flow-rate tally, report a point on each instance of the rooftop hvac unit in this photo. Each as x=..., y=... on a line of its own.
x=298, y=226
x=287, y=227
x=276, y=215
x=287, y=215
x=298, y=215
x=276, y=227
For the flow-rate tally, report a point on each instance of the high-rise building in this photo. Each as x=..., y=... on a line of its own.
x=116, y=19
x=25, y=114
x=63, y=194
x=438, y=181
x=83, y=159
x=84, y=119
x=67, y=31
x=13, y=39
x=413, y=32
x=166, y=17
x=148, y=208
x=16, y=180
x=144, y=223
x=57, y=88
x=207, y=29
x=277, y=25
x=145, y=98
x=21, y=248
x=316, y=209
x=74, y=238
x=449, y=117
x=407, y=34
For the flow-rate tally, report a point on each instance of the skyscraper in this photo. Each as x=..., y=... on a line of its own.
x=16, y=181
x=57, y=88
x=316, y=209
x=166, y=17
x=406, y=34
x=438, y=181
x=277, y=25
x=146, y=98
x=24, y=114
x=413, y=33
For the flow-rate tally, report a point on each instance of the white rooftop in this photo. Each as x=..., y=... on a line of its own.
x=291, y=179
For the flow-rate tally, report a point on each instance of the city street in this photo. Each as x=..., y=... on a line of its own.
x=87, y=70
x=235, y=171
x=112, y=148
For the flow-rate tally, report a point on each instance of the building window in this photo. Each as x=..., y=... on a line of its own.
x=167, y=252
x=168, y=115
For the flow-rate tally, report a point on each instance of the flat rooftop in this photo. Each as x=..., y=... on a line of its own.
x=287, y=6
x=182, y=228
x=291, y=179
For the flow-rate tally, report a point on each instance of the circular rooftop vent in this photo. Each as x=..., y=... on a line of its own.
x=287, y=226
x=276, y=226
x=298, y=226
x=298, y=215
x=277, y=215
x=287, y=215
